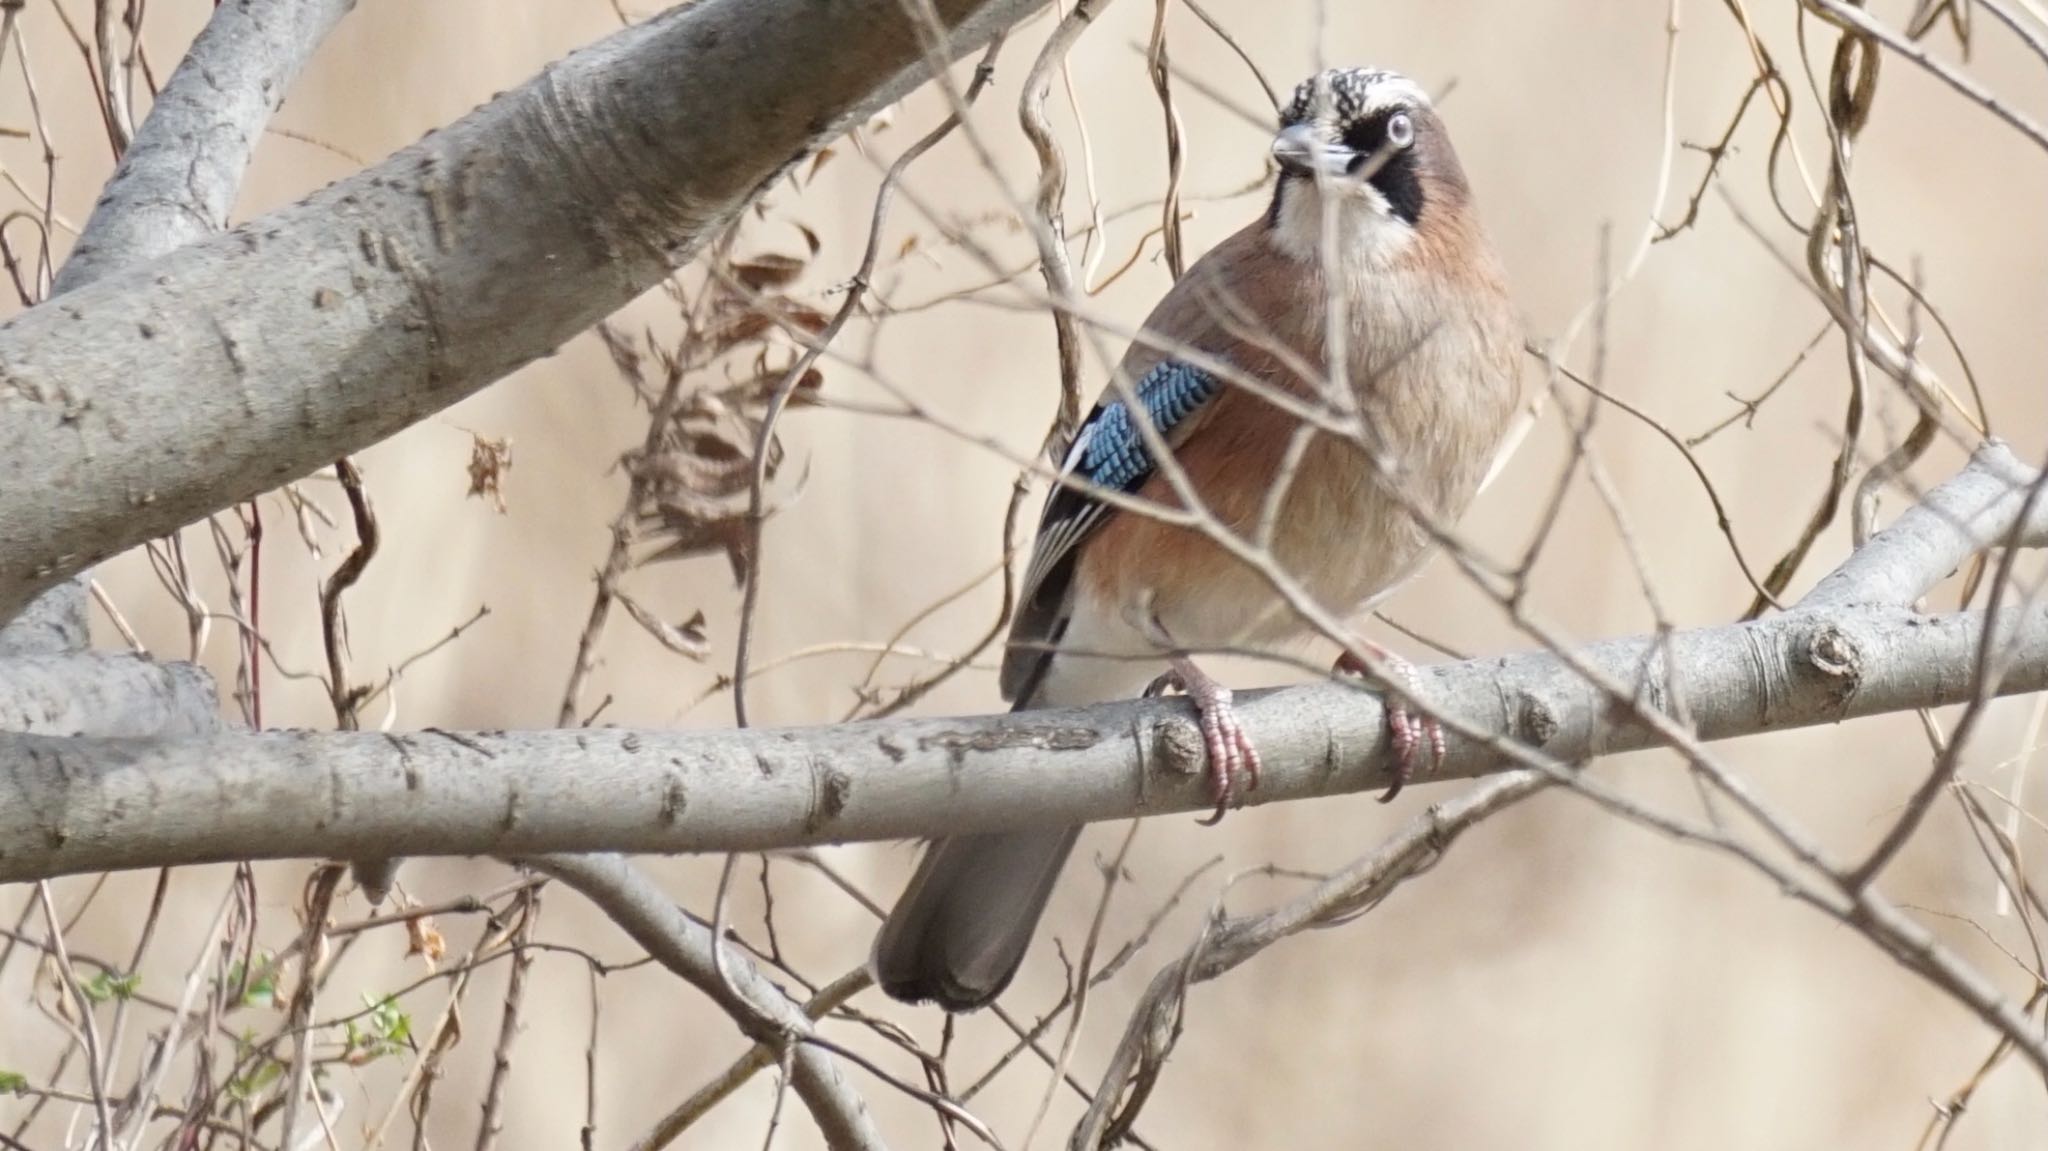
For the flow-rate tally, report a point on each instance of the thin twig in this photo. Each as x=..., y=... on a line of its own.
x=779, y=398
x=509, y=1025
x=320, y=889
x=87, y=1028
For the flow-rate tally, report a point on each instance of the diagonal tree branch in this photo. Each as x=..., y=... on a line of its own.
x=1227, y=941
x=177, y=182
x=1978, y=509
x=326, y=326
x=685, y=946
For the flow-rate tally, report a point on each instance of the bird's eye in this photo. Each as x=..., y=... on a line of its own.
x=1400, y=130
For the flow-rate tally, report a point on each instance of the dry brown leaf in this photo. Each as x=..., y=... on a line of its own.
x=424, y=939
x=768, y=270
x=690, y=536
x=803, y=316
x=489, y=459
x=730, y=331
x=810, y=389
x=625, y=355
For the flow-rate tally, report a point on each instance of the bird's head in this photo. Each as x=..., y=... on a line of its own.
x=1363, y=154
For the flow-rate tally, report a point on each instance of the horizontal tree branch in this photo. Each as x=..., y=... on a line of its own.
x=102, y=693
x=152, y=397
x=85, y=805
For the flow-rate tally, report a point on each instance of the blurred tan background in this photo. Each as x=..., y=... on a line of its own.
x=1561, y=980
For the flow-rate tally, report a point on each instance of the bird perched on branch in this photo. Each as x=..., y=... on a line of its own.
x=1337, y=367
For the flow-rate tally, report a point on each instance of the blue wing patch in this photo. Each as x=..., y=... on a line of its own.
x=1110, y=452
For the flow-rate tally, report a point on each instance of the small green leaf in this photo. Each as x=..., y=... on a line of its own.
x=107, y=985
x=385, y=1029
x=13, y=1083
x=251, y=1085
x=259, y=989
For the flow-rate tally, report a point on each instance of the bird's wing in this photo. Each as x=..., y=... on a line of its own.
x=1108, y=452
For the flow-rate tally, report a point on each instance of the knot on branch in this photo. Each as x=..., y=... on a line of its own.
x=830, y=789
x=1838, y=658
x=1178, y=742
x=1533, y=722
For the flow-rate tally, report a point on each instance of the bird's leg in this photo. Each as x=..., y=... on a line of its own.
x=1407, y=732
x=1230, y=749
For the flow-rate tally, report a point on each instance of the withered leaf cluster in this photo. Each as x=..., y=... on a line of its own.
x=693, y=478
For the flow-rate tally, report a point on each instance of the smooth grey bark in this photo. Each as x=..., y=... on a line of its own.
x=136, y=405
x=104, y=693
x=1981, y=507
x=54, y=622
x=84, y=805
x=160, y=394
x=177, y=182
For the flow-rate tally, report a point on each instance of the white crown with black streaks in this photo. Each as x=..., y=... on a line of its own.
x=1345, y=95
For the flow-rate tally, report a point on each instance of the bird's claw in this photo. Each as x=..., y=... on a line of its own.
x=1408, y=734
x=1229, y=747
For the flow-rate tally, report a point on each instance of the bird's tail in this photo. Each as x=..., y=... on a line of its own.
x=959, y=932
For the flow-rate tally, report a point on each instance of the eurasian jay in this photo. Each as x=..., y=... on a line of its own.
x=1372, y=211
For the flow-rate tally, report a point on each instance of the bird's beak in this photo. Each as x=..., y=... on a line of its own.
x=1300, y=151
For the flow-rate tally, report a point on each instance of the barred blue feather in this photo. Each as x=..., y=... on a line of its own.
x=1109, y=452
x=1113, y=453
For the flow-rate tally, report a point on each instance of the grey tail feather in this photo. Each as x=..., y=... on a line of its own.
x=960, y=930
x=376, y=877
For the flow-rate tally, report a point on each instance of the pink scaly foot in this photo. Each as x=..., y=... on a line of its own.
x=1407, y=732
x=1230, y=749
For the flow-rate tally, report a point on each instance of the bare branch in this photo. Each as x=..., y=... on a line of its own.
x=684, y=946
x=1978, y=508
x=82, y=805
x=105, y=693
x=176, y=182
x=179, y=179
x=1229, y=941
x=419, y=281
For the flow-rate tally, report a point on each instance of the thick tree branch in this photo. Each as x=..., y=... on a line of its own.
x=94, y=804
x=175, y=183
x=326, y=326
x=1975, y=510
x=103, y=693
x=55, y=622
x=83, y=805
x=179, y=179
